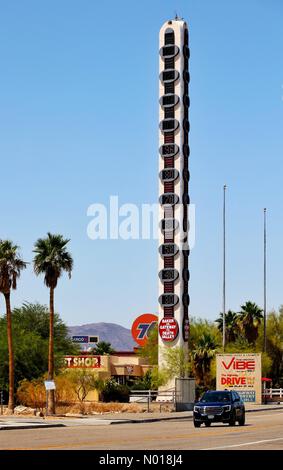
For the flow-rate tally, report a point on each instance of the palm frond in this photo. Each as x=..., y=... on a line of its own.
x=11, y=265
x=52, y=258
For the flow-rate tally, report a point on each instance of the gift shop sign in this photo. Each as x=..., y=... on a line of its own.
x=82, y=362
x=240, y=372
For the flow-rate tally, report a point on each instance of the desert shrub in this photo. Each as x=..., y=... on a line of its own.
x=112, y=391
x=144, y=383
x=64, y=394
x=32, y=393
x=81, y=383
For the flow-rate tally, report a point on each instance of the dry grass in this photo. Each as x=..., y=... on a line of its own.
x=102, y=408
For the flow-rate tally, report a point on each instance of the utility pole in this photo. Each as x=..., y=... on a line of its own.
x=264, y=281
x=224, y=265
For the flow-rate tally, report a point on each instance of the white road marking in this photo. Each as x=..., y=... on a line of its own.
x=245, y=444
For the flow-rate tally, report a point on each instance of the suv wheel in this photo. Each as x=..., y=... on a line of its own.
x=197, y=424
x=242, y=420
x=232, y=421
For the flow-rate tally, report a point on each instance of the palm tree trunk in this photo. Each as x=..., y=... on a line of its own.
x=11, y=403
x=51, y=393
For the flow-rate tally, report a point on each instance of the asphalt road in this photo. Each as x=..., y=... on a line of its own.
x=263, y=431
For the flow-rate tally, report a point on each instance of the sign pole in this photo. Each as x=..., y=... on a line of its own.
x=264, y=284
x=46, y=414
x=224, y=267
x=49, y=385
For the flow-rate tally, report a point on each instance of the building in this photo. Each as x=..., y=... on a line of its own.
x=123, y=366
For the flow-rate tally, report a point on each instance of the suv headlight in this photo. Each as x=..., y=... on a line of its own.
x=197, y=409
x=227, y=408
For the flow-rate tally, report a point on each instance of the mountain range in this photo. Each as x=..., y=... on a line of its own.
x=118, y=336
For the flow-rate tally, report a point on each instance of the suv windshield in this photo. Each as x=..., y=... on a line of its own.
x=209, y=397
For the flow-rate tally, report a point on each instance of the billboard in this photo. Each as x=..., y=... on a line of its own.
x=93, y=339
x=81, y=339
x=240, y=372
x=85, y=340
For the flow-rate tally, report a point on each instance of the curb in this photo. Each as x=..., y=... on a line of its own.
x=36, y=426
x=151, y=420
x=266, y=409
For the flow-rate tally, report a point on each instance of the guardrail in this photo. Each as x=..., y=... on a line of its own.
x=143, y=395
x=147, y=396
x=273, y=392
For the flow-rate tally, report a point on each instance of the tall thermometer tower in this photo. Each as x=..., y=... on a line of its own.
x=173, y=186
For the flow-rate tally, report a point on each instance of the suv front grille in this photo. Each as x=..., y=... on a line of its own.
x=213, y=410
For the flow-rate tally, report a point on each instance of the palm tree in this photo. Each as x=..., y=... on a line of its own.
x=11, y=266
x=52, y=259
x=275, y=344
x=102, y=348
x=202, y=355
x=232, y=329
x=250, y=318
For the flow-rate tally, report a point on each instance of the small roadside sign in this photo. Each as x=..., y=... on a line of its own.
x=49, y=385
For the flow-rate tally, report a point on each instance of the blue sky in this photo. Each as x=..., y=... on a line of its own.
x=79, y=122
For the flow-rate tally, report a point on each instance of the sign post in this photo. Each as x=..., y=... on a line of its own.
x=49, y=385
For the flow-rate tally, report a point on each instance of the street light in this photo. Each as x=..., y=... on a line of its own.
x=264, y=280
x=224, y=264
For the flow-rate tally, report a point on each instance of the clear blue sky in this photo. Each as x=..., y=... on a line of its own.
x=79, y=122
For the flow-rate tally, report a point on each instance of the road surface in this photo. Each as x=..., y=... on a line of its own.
x=263, y=431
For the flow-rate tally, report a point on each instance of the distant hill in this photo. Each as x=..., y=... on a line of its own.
x=119, y=337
